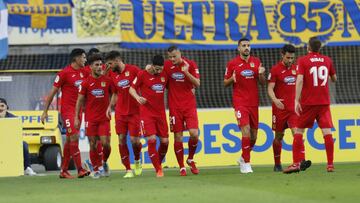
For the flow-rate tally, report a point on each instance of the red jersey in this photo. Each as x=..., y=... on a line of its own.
x=285, y=82
x=245, y=88
x=179, y=85
x=126, y=104
x=69, y=80
x=97, y=94
x=316, y=69
x=152, y=88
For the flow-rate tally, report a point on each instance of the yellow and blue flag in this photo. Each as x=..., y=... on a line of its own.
x=40, y=13
x=3, y=30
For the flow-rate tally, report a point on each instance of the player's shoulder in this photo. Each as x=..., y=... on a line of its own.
x=133, y=67
x=255, y=59
x=233, y=61
x=190, y=61
x=276, y=67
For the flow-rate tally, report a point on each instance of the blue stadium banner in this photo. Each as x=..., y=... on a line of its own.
x=3, y=30
x=51, y=14
x=219, y=24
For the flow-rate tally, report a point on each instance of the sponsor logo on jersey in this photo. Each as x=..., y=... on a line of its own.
x=78, y=83
x=247, y=73
x=123, y=83
x=158, y=87
x=97, y=92
x=178, y=76
x=289, y=80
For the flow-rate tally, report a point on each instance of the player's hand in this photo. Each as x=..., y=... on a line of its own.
x=298, y=108
x=148, y=67
x=193, y=91
x=234, y=77
x=278, y=103
x=141, y=100
x=108, y=112
x=43, y=117
x=185, y=67
x=261, y=69
x=76, y=123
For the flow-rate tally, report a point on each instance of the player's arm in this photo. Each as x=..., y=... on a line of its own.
x=299, y=86
x=272, y=96
x=230, y=76
x=79, y=104
x=49, y=99
x=262, y=78
x=333, y=78
x=195, y=81
x=137, y=97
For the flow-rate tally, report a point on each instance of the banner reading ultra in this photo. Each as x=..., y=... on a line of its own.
x=220, y=140
x=220, y=24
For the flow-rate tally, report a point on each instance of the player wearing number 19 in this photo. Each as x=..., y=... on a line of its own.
x=312, y=102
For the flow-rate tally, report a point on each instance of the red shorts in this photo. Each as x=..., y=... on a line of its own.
x=125, y=123
x=69, y=124
x=181, y=120
x=246, y=115
x=100, y=128
x=282, y=119
x=310, y=113
x=154, y=126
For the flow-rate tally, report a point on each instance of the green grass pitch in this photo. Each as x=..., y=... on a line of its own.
x=220, y=185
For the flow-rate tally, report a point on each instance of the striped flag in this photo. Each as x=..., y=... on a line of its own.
x=3, y=30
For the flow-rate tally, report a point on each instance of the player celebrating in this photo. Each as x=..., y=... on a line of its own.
x=68, y=80
x=183, y=77
x=281, y=90
x=243, y=73
x=151, y=84
x=312, y=102
x=127, y=110
x=96, y=89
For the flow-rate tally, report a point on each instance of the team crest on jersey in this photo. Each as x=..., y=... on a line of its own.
x=293, y=72
x=127, y=73
x=252, y=65
x=162, y=79
x=98, y=17
x=103, y=84
x=81, y=75
x=69, y=130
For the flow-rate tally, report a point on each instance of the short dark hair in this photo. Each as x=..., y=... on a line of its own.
x=172, y=48
x=92, y=51
x=112, y=55
x=242, y=40
x=288, y=48
x=158, y=60
x=315, y=44
x=75, y=53
x=94, y=57
x=2, y=100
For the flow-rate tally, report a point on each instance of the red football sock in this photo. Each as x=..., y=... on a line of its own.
x=277, y=145
x=75, y=153
x=137, y=150
x=192, y=144
x=246, y=149
x=162, y=151
x=106, y=153
x=153, y=154
x=99, y=148
x=329, y=147
x=94, y=159
x=298, y=148
x=252, y=144
x=124, y=153
x=66, y=158
x=179, y=152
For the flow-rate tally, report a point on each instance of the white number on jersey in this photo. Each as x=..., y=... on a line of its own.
x=321, y=73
